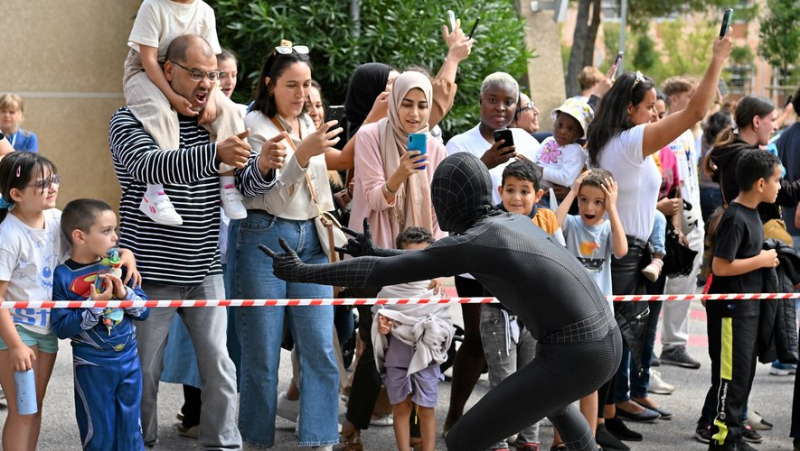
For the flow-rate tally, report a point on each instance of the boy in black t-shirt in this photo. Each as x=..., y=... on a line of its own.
x=737, y=268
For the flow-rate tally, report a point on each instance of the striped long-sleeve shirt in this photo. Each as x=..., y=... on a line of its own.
x=172, y=255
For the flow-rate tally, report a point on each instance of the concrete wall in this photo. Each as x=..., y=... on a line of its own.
x=546, y=72
x=64, y=57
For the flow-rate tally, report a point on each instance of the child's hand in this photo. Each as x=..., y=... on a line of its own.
x=769, y=258
x=118, y=288
x=182, y=106
x=209, y=113
x=576, y=185
x=610, y=188
x=22, y=357
x=108, y=289
x=384, y=324
x=437, y=285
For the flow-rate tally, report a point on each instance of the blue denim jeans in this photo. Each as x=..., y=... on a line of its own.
x=638, y=382
x=260, y=330
x=659, y=234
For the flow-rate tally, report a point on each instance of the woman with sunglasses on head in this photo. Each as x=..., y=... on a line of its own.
x=620, y=140
x=284, y=144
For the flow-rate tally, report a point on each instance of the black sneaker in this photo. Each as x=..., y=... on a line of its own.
x=703, y=432
x=679, y=357
x=751, y=435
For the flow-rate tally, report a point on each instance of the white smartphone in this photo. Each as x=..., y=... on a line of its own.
x=452, y=16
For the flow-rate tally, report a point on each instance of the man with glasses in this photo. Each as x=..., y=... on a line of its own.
x=182, y=262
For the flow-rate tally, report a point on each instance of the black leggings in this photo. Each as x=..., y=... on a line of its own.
x=545, y=387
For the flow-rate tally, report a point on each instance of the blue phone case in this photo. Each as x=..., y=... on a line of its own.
x=418, y=141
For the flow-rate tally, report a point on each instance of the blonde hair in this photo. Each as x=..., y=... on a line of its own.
x=589, y=77
x=498, y=79
x=11, y=102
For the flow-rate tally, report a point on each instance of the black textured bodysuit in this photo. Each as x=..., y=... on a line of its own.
x=579, y=346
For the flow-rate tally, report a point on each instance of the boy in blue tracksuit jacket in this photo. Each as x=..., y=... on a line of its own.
x=108, y=376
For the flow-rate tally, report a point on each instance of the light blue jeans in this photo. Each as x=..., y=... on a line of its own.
x=260, y=330
x=659, y=235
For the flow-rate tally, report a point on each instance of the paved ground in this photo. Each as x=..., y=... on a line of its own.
x=772, y=396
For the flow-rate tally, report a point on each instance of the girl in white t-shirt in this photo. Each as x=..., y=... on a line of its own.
x=621, y=138
x=30, y=249
x=561, y=157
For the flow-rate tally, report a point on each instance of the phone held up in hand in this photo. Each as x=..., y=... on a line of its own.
x=451, y=16
x=726, y=22
x=335, y=113
x=418, y=141
x=508, y=138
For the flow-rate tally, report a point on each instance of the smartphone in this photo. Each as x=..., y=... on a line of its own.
x=474, y=27
x=616, y=64
x=723, y=87
x=726, y=22
x=452, y=17
x=418, y=141
x=335, y=113
x=506, y=135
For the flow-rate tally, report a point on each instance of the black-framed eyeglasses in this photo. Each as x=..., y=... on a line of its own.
x=45, y=183
x=197, y=74
x=286, y=49
x=639, y=78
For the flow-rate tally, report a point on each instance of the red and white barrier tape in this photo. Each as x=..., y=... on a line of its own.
x=362, y=301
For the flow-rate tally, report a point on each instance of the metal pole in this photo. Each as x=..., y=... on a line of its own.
x=355, y=17
x=622, y=27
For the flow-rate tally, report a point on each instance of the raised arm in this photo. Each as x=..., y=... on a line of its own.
x=443, y=258
x=136, y=151
x=663, y=132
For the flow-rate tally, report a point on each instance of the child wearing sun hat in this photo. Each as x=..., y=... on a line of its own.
x=561, y=157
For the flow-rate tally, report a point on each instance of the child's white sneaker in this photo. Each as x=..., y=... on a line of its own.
x=157, y=206
x=232, y=201
x=287, y=408
x=653, y=270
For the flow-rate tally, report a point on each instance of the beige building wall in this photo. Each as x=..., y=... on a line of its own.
x=546, y=72
x=65, y=57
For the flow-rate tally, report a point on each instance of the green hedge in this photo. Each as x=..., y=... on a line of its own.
x=398, y=33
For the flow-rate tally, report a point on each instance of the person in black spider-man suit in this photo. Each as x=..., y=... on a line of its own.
x=579, y=345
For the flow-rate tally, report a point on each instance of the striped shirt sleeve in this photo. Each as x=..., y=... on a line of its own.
x=141, y=157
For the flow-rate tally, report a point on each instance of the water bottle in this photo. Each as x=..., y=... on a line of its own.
x=26, y=392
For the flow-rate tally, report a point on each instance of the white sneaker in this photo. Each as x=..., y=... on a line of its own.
x=160, y=209
x=653, y=270
x=287, y=408
x=658, y=386
x=381, y=420
x=232, y=202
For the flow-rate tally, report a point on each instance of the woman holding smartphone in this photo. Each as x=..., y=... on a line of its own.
x=620, y=140
x=392, y=191
x=287, y=161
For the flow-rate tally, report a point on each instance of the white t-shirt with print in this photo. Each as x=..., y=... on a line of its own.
x=638, y=181
x=473, y=142
x=159, y=22
x=28, y=258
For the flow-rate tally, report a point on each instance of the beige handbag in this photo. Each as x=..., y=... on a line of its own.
x=329, y=229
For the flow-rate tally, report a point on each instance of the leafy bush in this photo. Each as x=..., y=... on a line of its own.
x=398, y=33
